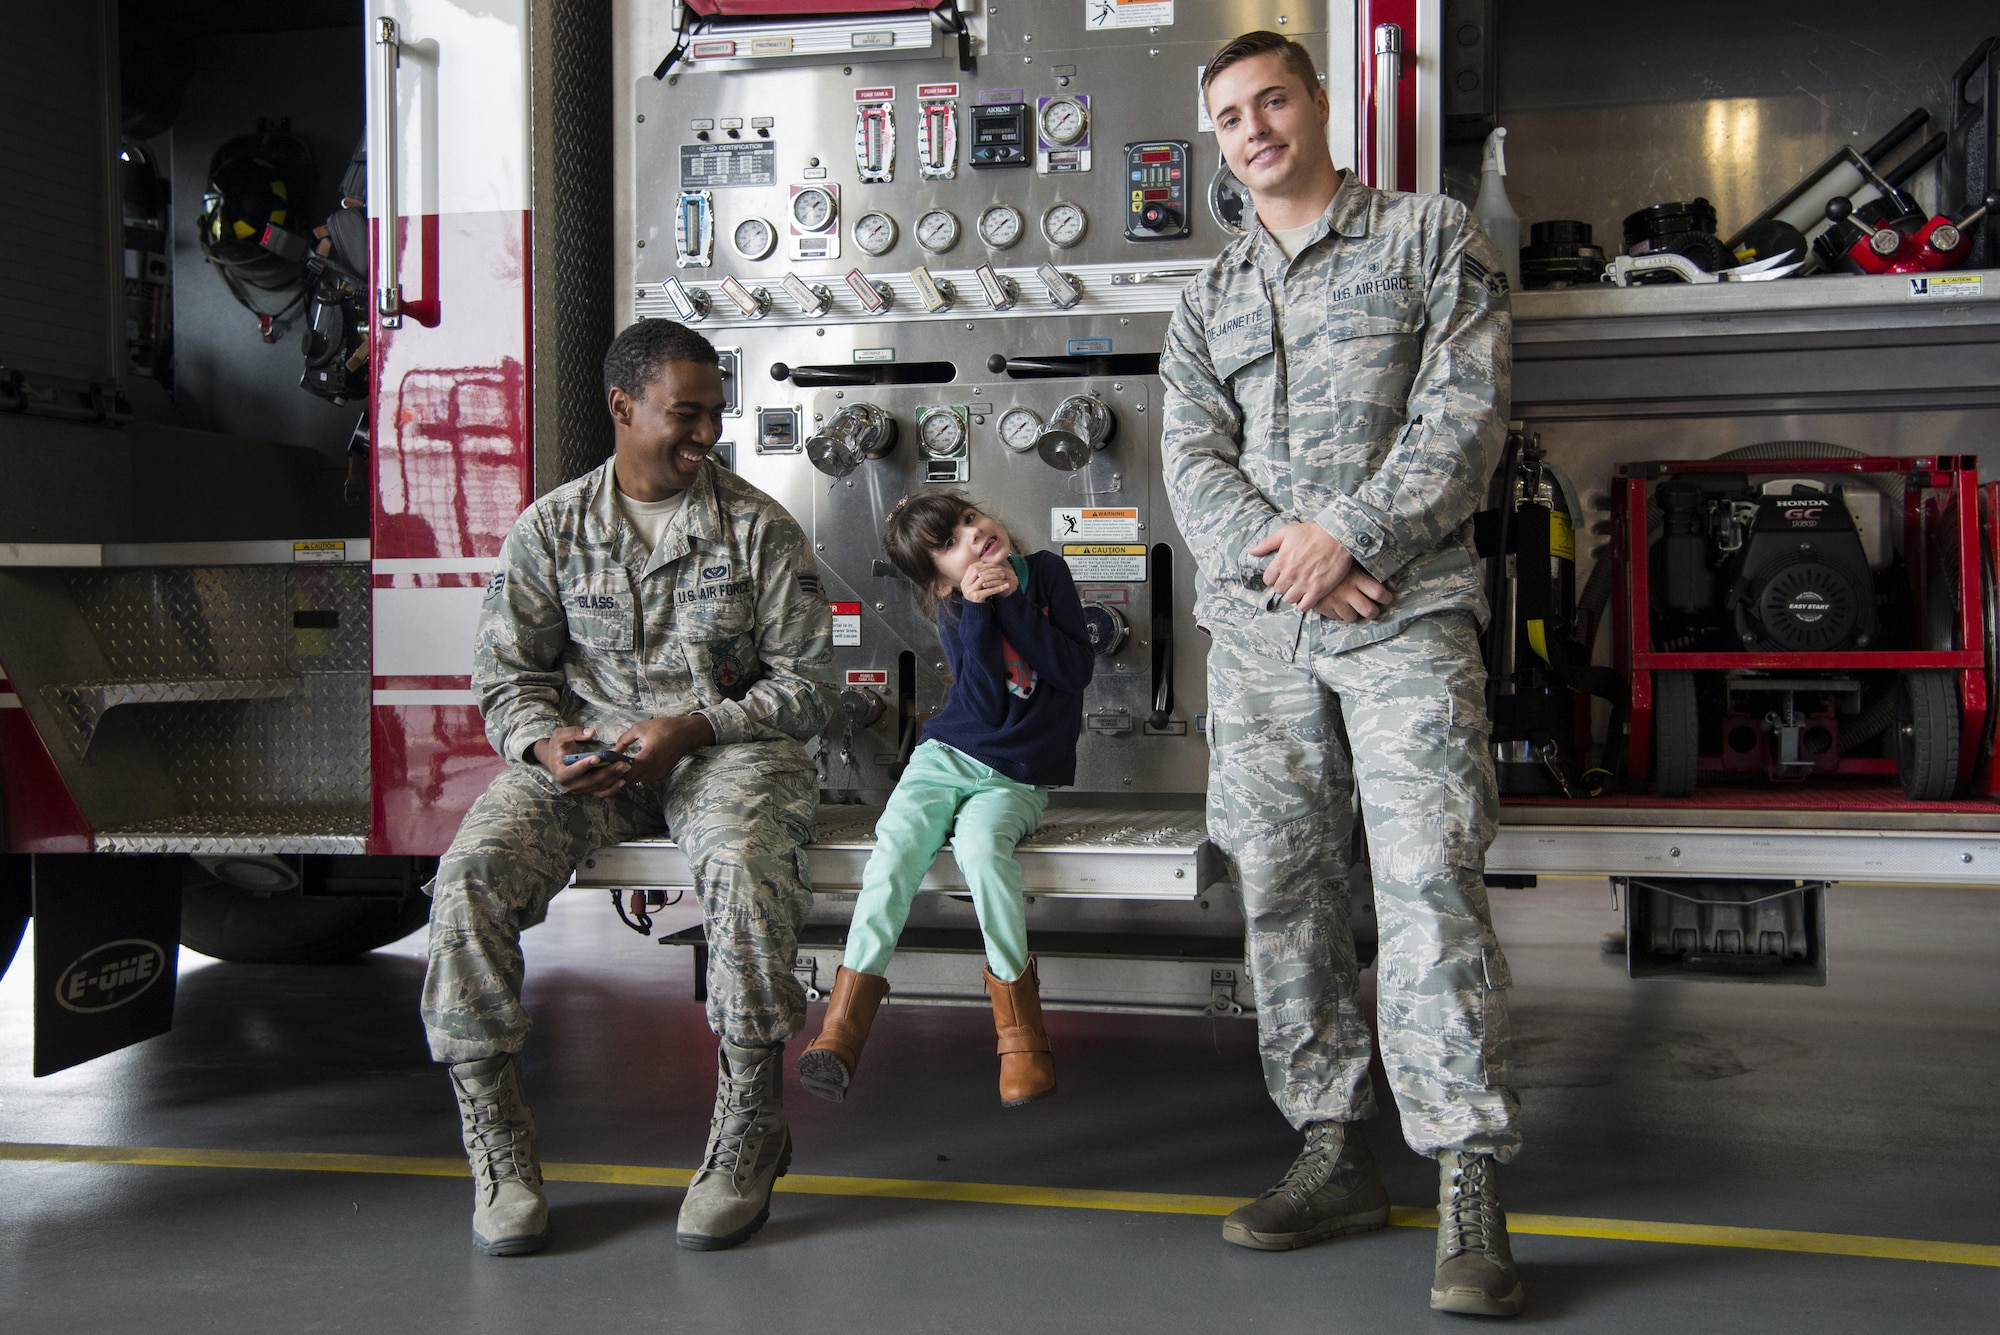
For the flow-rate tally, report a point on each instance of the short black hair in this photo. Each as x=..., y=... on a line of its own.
x=634, y=358
x=1295, y=57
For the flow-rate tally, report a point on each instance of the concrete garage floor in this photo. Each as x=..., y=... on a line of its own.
x=1865, y=1108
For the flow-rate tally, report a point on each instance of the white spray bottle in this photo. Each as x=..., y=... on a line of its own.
x=1495, y=211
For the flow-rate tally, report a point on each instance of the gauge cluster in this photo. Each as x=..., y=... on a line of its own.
x=979, y=218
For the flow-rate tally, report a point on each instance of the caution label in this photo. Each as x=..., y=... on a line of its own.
x=319, y=553
x=1125, y=562
x=846, y=625
x=867, y=677
x=1948, y=286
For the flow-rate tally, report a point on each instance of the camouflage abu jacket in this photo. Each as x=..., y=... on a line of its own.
x=581, y=624
x=1362, y=385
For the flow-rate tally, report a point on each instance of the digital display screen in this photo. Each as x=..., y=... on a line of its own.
x=1158, y=194
x=1157, y=155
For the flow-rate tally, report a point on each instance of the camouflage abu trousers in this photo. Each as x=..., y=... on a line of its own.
x=1403, y=722
x=740, y=812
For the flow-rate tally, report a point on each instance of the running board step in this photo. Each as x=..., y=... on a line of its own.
x=1078, y=851
x=1080, y=971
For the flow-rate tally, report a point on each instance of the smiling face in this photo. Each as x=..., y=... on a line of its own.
x=977, y=539
x=665, y=434
x=1272, y=132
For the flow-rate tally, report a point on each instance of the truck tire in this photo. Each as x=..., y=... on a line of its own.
x=245, y=927
x=1927, y=735
x=1676, y=734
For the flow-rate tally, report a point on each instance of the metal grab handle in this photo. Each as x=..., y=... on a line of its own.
x=1163, y=637
x=388, y=56
x=1388, y=71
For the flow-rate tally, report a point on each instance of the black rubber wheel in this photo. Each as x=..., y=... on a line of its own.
x=1927, y=735
x=1676, y=734
x=244, y=927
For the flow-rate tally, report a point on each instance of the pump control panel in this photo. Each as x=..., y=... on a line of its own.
x=1156, y=200
x=1000, y=134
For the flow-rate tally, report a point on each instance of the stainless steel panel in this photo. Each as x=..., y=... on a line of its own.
x=1893, y=857
x=1610, y=112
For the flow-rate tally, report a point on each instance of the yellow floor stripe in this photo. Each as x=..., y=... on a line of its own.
x=997, y=1193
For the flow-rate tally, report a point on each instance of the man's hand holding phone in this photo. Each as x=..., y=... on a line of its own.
x=580, y=764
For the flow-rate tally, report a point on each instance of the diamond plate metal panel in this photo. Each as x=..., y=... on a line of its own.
x=570, y=46
x=251, y=685
x=306, y=751
x=84, y=704
x=243, y=832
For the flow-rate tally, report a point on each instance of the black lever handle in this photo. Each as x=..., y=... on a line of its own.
x=806, y=376
x=1163, y=636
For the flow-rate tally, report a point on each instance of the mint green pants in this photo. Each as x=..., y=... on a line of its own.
x=985, y=813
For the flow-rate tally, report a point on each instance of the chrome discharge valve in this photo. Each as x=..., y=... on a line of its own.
x=858, y=432
x=1082, y=426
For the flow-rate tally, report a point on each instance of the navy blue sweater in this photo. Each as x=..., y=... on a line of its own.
x=1029, y=739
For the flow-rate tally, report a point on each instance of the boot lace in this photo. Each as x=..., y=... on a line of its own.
x=1471, y=1209
x=731, y=1147
x=1314, y=1166
x=495, y=1144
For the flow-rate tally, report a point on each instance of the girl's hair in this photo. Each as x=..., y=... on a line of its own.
x=919, y=527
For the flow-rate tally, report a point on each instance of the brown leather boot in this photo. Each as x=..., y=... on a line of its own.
x=1027, y=1071
x=827, y=1067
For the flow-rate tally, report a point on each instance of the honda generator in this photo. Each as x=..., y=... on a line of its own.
x=1798, y=613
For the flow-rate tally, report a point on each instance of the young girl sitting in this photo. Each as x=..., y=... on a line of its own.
x=1014, y=638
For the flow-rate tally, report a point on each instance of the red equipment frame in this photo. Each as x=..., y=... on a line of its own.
x=1947, y=510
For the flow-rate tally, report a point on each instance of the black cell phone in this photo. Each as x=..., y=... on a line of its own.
x=603, y=753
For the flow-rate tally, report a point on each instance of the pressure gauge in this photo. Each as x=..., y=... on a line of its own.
x=1000, y=226
x=875, y=232
x=1064, y=225
x=943, y=432
x=938, y=230
x=754, y=238
x=1020, y=428
x=812, y=209
x=1064, y=120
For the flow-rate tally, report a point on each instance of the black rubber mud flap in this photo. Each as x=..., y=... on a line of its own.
x=107, y=943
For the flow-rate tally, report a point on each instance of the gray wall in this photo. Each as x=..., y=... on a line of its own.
x=225, y=377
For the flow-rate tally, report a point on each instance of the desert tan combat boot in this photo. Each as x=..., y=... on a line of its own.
x=749, y=1148
x=1331, y=1189
x=1475, y=1266
x=510, y=1217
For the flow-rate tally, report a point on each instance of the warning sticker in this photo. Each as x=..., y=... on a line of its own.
x=1127, y=14
x=319, y=553
x=867, y=677
x=1949, y=285
x=846, y=625
x=1069, y=523
x=1106, y=560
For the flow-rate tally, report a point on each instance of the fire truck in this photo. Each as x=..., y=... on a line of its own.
x=1742, y=565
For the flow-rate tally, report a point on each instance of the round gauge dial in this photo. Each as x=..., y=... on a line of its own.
x=754, y=238
x=1064, y=120
x=938, y=230
x=1020, y=428
x=943, y=432
x=1064, y=225
x=1229, y=201
x=812, y=209
x=875, y=232
x=1000, y=226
